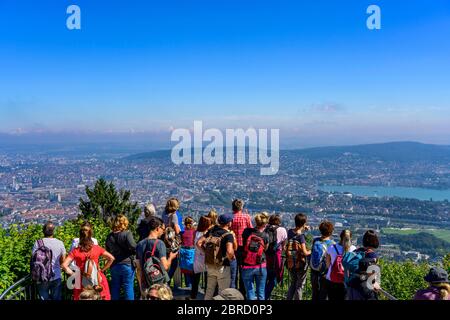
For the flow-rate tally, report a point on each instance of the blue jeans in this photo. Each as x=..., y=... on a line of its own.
x=122, y=276
x=270, y=283
x=234, y=270
x=250, y=276
x=50, y=290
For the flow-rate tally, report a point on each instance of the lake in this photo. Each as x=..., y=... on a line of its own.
x=413, y=193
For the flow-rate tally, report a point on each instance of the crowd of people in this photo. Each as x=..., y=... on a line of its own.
x=238, y=258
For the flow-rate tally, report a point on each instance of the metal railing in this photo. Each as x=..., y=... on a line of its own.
x=24, y=289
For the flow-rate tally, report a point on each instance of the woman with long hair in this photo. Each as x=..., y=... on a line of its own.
x=86, y=257
x=121, y=244
x=275, y=266
x=204, y=224
x=335, y=275
x=187, y=250
x=254, y=267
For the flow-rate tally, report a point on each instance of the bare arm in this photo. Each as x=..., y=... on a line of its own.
x=305, y=251
x=230, y=251
x=109, y=260
x=172, y=256
x=65, y=265
x=201, y=242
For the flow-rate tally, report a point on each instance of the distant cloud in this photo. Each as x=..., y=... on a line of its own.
x=324, y=108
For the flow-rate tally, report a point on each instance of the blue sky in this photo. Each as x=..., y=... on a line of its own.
x=310, y=68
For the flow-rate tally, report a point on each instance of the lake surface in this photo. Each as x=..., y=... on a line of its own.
x=413, y=193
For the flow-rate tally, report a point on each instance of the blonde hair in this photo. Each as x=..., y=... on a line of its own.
x=149, y=210
x=346, y=240
x=120, y=223
x=172, y=205
x=213, y=216
x=261, y=219
x=89, y=293
x=164, y=291
x=444, y=289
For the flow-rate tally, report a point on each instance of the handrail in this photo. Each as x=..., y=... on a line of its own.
x=24, y=285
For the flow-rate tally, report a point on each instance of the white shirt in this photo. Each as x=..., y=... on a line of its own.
x=332, y=252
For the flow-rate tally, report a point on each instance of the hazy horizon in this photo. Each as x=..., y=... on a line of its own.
x=135, y=72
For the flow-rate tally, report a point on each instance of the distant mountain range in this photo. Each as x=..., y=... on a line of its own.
x=392, y=151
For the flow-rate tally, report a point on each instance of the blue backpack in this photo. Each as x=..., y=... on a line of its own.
x=318, y=253
x=352, y=261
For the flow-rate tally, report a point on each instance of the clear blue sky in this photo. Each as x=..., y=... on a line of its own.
x=310, y=68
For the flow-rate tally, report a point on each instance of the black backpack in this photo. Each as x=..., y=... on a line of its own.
x=271, y=231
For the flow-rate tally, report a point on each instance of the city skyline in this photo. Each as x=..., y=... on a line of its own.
x=314, y=71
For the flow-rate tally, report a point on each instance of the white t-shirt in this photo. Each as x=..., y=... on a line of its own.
x=332, y=252
x=76, y=241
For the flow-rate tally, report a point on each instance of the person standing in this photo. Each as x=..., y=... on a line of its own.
x=335, y=275
x=275, y=266
x=86, y=257
x=152, y=246
x=356, y=264
x=318, y=261
x=241, y=221
x=187, y=251
x=204, y=224
x=120, y=243
x=254, y=270
x=171, y=219
x=297, y=257
x=218, y=246
x=143, y=228
x=51, y=253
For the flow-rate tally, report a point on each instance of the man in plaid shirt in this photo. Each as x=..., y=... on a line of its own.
x=241, y=221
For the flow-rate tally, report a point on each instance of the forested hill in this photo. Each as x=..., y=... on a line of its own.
x=392, y=151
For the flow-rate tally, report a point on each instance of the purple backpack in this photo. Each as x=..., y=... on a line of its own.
x=41, y=263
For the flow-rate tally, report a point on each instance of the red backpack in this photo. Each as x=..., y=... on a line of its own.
x=253, y=250
x=337, y=269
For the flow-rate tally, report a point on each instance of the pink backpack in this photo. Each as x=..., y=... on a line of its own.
x=337, y=269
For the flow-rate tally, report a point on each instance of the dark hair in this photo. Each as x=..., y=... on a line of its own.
x=48, y=229
x=237, y=205
x=154, y=223
x=326, y=228
x=204, y=223
x=275, y=220
x=300, y=220
x=370, y=239
x=86, y=242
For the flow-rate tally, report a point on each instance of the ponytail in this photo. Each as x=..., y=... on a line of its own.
x=346, y=240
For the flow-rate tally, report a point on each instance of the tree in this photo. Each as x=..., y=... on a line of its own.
x=105, y=202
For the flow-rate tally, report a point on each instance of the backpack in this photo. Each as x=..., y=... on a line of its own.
x=171, y=239
x=273, y=241
x=318, y=253
x=354, y=264
x=154, y=272
x=90, y=274
x=213, y=253
x=41, y=263
x=294, y=257
x=337, y=269
x=253, y=250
